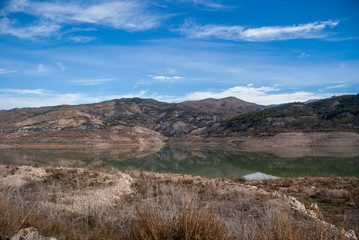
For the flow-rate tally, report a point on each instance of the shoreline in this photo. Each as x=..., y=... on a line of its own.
x=280, y=140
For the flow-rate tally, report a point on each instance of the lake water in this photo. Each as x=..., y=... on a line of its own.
x=207, y=162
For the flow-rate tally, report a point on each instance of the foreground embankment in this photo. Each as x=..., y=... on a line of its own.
x=89, y=203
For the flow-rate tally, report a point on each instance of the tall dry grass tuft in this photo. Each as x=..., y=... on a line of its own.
x=191, y=224
x=151, y=226
x=10, y=222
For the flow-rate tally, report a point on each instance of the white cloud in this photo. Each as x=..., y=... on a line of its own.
x=23, y=91
x=61, y=66
x=82, y=39
x=18, y=98
x=127, y=15
x=303, y=55
x=207, y=4
x=39, y=29
x=167, y=78
x=41, y=68
x=17, y=5
x=53, y=15
x=9, y=102
x=336, y=86
x=241, y=33
x=92, y=82
x=260, y=95
x=4, y=71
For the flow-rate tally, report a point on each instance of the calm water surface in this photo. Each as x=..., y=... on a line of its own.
x=207, y=162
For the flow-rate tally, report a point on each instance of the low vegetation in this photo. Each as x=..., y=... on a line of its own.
x=336, y=113
x=156, y=206
x=336, y=199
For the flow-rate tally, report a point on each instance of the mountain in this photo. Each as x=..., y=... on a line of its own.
x=150, y=122
x=336, y=113
x=168, y=119
x=231, y=106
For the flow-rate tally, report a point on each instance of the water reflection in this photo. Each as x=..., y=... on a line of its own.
x=208, y=162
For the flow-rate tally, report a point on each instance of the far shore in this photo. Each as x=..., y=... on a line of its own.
x=279, y=140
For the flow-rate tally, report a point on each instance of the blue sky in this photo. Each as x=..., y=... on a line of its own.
x=268, y=52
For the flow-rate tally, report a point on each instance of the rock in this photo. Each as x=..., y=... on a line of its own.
x=314, y=206
x=30, y=234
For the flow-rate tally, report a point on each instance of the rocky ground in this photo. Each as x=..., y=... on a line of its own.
x=89, y=203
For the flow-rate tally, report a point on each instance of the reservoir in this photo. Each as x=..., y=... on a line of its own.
x=214, y=162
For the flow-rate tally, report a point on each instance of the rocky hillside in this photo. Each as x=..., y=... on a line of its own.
x=150, y=122
x=167, y=118
x=331, y=114
x=231, y=106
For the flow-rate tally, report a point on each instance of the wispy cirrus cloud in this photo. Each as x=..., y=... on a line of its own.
x=23, y=91
x=4, y=71
x=61, y=66
x=270, y=33
x=126, y=15
x=92, y=82
x=336, y=86
x=52, y=16
x=82, y=39
x=36, y=29
x=41, y=69
x=209, y=5
x=303, y=55
x=166, y=78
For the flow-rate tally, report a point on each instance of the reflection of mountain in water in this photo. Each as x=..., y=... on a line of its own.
x=203, y=162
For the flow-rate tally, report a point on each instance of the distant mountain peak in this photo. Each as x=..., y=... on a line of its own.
x=231, y=105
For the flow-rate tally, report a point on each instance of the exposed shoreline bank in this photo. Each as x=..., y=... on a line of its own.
x=280, y=140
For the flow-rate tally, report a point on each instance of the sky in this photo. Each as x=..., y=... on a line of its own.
x=263, y=51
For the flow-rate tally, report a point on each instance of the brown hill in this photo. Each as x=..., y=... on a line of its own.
x=229, y=105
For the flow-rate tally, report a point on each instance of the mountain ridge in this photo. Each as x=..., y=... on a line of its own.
x=150, y=122
x=166, y=118
x=330, y=114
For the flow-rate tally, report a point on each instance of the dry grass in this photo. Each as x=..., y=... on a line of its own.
x=161, y=207
x=337, y=198
x=190, y=224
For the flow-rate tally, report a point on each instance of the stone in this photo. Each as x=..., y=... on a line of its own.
x=30, y=233
x=314, y=206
